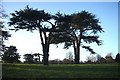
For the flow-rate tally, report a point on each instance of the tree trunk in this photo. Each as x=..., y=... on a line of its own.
x=45, y=46
x=77, y=53
x=45, y=54
x=76, y=45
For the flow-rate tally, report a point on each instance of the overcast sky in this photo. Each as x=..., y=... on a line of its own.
x=106, y=12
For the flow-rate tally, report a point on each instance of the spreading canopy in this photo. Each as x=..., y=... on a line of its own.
x=29, y=19
x=81, y=27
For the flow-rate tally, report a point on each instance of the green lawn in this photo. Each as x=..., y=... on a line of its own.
x=28, y=71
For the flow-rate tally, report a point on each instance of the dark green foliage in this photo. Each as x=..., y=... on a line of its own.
x=91, y=39
x=32, y=58
x=10, y=55
x=29, y=19
x=86, y=21
x=5, y=35
x=28, y=58
x=89, y=49
x=37, y=60
x=75, y=29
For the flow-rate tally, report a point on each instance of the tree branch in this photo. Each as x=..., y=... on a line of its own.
x=89, y=49
x=42, y=41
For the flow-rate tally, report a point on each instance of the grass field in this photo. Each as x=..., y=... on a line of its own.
x=33, y=71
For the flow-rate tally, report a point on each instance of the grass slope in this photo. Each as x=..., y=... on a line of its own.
x=60, y=71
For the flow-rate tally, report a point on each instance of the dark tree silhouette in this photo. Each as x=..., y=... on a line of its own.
x=11, y=55
x=34, y=19
x=75, y=29
x=117, y=58
x=102, y=60
x=72, y=29
x=28, y=58
x=37, y=55
x=4, y=34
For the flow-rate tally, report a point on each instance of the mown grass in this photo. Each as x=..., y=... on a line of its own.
x=28, y=71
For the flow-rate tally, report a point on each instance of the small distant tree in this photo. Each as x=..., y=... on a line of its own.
x=66, y=61
x=38, y=57
x=98, y=57
x=55, y=61
x=11, y=55
x=102, y=60
x=109, y=58
x=91, y=59
x=28, y=58
x=69, y=56
x=117, y=58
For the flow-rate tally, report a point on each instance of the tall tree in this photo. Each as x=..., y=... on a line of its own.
x=76, y=29
x=4, y=34
x=34, y=19
x=10, y=55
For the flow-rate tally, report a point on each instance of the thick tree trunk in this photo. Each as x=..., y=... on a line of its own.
x=74, y=46
x=77, y=53
x=45, y=46
x=77, y=48
x=45, y=54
